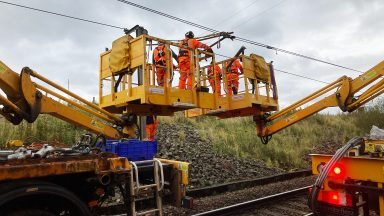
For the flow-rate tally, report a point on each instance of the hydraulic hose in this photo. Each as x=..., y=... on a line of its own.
x=325, y=171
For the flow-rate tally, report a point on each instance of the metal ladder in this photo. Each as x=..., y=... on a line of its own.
x=137, y=189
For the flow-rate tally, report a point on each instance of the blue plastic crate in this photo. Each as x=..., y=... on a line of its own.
x=133, y=149
x=151, y=147
x=111, y=146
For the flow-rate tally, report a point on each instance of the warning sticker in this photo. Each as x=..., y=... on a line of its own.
x=368, y=75
x=293, y=117
x=2, y=67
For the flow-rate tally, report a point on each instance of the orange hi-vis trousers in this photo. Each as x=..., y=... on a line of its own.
x=150, y=129
x=185, y=79
x=160, y=73
x=215, y=88
x=232, y=81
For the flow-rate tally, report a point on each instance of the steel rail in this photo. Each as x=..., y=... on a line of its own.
x=238, y=185
x=240, y=207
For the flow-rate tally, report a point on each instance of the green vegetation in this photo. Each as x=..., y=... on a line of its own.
x=288, y=149
x=46, y=128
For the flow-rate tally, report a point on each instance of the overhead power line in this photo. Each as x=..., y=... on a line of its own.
x=258, y=14
x=286, y=72
x=62, y=15
x=237, y=38
x=118, y=27
x=236, y=13
x=185, y=22
x=298, y=75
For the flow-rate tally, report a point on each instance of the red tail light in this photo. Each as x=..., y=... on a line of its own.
x=338, y=171
x=335, y=198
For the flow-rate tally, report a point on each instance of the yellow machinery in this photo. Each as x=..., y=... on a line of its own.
x=127, y=89
x=351, y=181
x=14, y=143
x=341, y=93
x=128, y=86
x=76, y=182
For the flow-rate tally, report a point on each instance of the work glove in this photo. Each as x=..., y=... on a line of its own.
x=208, y=49
x=161, y=54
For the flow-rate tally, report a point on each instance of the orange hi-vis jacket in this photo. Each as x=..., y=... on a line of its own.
x=216, y=87
x=233, y=77
x=185, y=62
x=217, y=71
x=235, y=67
x=191, y=43
x=160, y=55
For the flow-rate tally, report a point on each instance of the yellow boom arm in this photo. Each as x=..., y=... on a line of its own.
x=25, y=100
x=344, y=97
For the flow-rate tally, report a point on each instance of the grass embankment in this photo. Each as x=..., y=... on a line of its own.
x=46, y=128
x=288, y=149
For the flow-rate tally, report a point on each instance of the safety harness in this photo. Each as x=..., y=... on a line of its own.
x=160, y=56
x=183, y=52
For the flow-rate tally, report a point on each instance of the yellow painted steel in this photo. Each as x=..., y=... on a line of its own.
x=139, y=98
x=358, y=168
x=363, y=168
x=344, y=97
x=14, y=143
x=182, y=166
x=244, y=103
x=22, y=97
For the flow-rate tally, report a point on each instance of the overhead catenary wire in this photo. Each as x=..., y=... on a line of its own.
x=183, y=21
x=298, y=75
x=236, y=13
x=62, y=15
x=237, y=38
x=285, y=72
x=258, y=14
x=119, y=27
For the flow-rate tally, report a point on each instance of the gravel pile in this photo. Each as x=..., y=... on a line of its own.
x=182, y=142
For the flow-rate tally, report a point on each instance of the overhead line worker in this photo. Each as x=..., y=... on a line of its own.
x=151, y=126
x=184, y=59
x=212, y=73
x=233, y=77
x=160, y=61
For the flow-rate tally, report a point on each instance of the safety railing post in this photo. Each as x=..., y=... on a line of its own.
x=197, y=74
x=113, y=88
x=246, y=86
x=267, y=91
x=129, y=87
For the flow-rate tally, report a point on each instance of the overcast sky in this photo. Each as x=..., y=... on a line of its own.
x=346, y=32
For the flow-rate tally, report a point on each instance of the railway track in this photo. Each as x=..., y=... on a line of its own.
x=201, y=195
x=289, y=203
x=232, y=186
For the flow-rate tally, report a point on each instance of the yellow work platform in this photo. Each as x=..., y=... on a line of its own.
x=128, y=83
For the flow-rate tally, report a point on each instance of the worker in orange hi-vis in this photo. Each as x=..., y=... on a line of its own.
x=233, y=77
x=160, y=61
x=216, y=87
x=184, y=59
x=150, y=128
